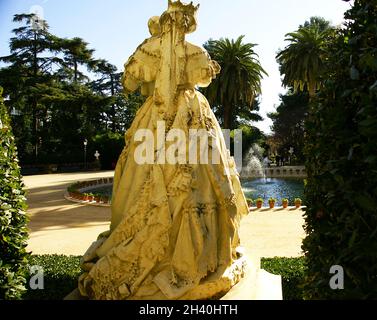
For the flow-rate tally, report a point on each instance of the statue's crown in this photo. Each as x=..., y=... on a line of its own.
x=179, y=6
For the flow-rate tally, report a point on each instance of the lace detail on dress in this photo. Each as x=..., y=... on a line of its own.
x=181, y=181
x=141, y=240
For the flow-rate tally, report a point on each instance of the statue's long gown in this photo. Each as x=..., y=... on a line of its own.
x=173, y=226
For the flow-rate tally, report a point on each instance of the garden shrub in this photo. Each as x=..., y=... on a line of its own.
x=341, y=151
x=61, y=274
x=13, y=217
x=292, y=271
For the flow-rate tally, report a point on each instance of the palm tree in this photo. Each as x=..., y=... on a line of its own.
x=302, y=62
x=240, y=79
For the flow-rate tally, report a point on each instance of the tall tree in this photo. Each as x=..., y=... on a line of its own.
x=28, y=74
x=54, y=104
x=242, y=115
x=319, y=22
x=109, y=85
x=76, y=53
x=289, y=124
x=302, y=62
x=239, y=81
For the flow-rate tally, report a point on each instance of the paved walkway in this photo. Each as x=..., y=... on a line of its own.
x=60, y=226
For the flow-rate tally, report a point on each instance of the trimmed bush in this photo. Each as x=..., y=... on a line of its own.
x=60, y=276
x=292, y=271
x=13, y=218
x=341, y=150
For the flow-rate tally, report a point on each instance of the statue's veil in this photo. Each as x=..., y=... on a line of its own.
x=177, y=21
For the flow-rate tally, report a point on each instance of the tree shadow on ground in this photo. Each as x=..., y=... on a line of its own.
x=49, y=209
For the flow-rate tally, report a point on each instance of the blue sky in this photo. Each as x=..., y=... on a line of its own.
x=114, y=28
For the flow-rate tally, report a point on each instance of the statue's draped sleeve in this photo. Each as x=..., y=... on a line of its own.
x=200, y=68
x=140, y=71
x=142, y=68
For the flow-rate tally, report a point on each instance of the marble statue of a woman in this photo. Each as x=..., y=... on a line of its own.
x=174, y=226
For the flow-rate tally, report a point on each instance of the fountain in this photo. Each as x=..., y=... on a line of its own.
x=254, y=164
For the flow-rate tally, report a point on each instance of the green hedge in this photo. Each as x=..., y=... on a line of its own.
x=60, y=276
x=292, y=271
x=13, y=217
x=341, y=150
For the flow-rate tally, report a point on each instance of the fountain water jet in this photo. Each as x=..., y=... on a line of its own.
x=254, y=166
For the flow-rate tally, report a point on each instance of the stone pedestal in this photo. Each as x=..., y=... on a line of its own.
x=257, y=284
